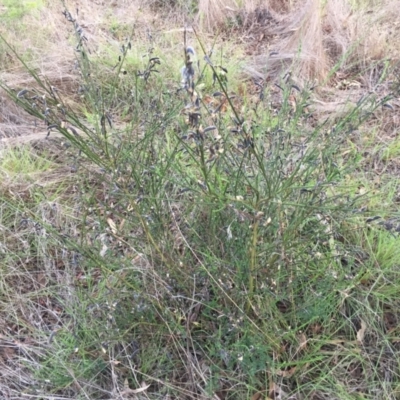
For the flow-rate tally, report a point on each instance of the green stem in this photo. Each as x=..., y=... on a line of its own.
x=252, y=266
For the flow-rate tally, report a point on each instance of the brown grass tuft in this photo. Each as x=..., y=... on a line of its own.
x=213, y=13
x=304, y=40
x=314, y=37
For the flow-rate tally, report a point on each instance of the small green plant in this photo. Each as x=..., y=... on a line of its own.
x=16, y=10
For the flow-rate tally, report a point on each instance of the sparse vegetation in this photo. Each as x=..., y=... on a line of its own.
x=177, y=222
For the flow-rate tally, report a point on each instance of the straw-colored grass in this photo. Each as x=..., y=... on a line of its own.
x=314, y=36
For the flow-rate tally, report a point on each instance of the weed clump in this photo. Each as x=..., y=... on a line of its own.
x=210, y=245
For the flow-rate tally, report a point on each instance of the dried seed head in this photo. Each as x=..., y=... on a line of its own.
x=209, y=128
x=22, y=93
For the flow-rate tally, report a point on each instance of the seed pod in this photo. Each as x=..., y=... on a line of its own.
x=22, y=93
x=73, y=130
x=209, y=128
x=373, y=219
x=109, y=120
x=296, y=87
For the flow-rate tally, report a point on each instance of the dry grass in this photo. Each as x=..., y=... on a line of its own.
x=52, y=56
x=314, y=37
x=308, y=39
x=212, y=14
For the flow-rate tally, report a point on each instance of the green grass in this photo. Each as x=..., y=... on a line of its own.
x=16, y=10
x=22, y=161
x=202, y=248
x=13, y=23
